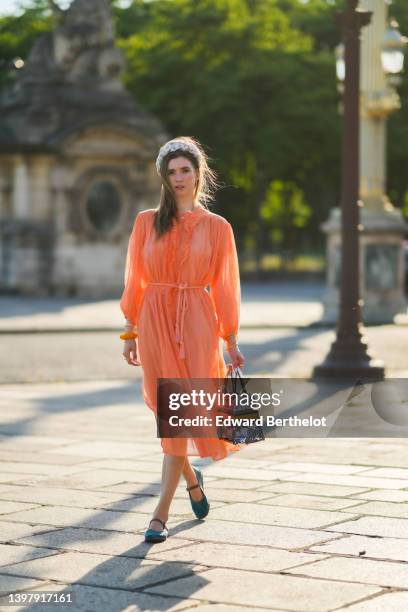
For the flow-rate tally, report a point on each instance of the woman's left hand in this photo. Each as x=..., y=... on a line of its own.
x=237, y=358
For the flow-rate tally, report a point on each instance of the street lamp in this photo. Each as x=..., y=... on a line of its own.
x=348, y=356
x=340, y=64
x=382, y=224
x=392, y=54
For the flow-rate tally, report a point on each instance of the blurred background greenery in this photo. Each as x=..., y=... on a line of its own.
x=255, y=82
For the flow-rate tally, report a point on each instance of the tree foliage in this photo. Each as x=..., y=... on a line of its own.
x=241, y=77
x=17, y=34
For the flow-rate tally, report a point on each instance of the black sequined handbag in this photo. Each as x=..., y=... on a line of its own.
x=241, y=423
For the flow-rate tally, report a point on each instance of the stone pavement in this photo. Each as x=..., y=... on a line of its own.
x=295, y=524
x=303, y=525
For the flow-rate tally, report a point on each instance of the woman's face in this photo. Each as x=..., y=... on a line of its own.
x=182, y=177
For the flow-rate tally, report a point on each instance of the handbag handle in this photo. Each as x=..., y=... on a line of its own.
x=237, y=378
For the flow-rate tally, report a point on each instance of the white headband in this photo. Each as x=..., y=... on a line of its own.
x=174, y=145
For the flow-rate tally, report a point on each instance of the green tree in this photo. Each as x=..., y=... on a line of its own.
x=285, y=213
x=253, y=88
x=17, y=34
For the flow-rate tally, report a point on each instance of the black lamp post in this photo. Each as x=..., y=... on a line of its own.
x=348, y=356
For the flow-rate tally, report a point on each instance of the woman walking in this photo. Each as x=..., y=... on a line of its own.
x=175, y=252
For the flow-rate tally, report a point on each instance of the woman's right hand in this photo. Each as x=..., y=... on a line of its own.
x=130, y=352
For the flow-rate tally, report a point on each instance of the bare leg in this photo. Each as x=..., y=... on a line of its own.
x=191, y=479
x=171, y=471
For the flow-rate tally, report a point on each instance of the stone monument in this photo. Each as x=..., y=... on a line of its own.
x=77, y=161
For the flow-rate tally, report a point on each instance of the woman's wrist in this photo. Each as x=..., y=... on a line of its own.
x=130, y=332
x=128, y=336
x=231, y=341
x=129, y=326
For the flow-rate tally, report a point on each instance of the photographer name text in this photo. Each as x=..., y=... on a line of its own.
x=261, y=420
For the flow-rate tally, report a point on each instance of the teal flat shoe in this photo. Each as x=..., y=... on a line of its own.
x=200, y=508
x=152, y=535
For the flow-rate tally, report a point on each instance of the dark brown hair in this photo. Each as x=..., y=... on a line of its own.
x=204, y=191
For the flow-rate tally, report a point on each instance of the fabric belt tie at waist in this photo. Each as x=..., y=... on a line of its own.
x=181, y=309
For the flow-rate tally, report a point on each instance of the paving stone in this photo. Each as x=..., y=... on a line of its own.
x=98, y=541
x=379, y=548
x=270, y=449
x=8, y=507
x=136, y=488
x=324, y=468
x=104, y=448
x=383, y=495
x=256, y=589
x=97, y=599
x=312, y=502
x=374, y=526
x=97, y=499
x=28, y=481
x=147, y=505
x=378, y=508
x=136, y=465
x=237, y=461
x=100, y=570
x=396, y=601
x=233, y=495
x=397, y=459
x=351, y=480
x=235, y=483
x=52, y=458
x=59, y=516
x=12, y=444
x=249, y=533
x=357, y=570
x=247, y=473
x=15, y=553
x=265, y=515
x=235, y=556
x=101, y=478
x=5, y=488
x=18, y=467
x=225, y=608
x=62, y=497
x=9, y=584
x=310, y=488
x=19, y=478
x=12, y=531
x=387, y=472
x=153, y=457
x=148, y=491
x=34, y=442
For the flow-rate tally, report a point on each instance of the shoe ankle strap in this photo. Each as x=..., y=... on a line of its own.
x=192, y=487
x=159, y=521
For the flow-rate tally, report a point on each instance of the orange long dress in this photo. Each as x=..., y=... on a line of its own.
x=180, y=323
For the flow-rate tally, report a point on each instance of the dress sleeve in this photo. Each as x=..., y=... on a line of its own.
x=225, y=286
x=134, y=278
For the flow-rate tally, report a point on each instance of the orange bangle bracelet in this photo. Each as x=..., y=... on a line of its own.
x=128, y=336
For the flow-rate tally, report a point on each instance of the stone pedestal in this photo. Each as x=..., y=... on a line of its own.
x=381, y=265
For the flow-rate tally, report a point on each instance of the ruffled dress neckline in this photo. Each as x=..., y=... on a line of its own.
x=180, y=237
x=191, y=213
x=189, y=219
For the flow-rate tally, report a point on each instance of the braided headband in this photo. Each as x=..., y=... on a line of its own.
x=174, y=145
